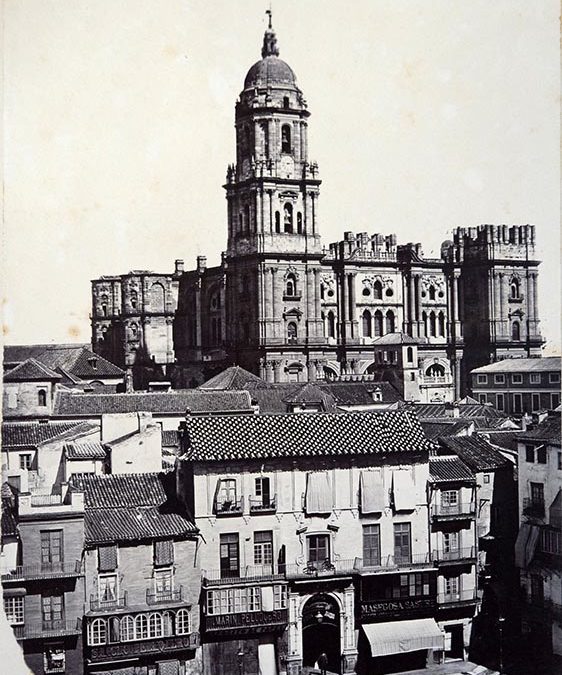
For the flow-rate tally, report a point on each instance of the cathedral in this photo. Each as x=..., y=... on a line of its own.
x=287, y=308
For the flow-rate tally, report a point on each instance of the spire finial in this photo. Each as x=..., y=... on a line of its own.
x=270, y=47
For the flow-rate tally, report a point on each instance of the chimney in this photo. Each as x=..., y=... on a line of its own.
x=179, y=267
x=201, y=263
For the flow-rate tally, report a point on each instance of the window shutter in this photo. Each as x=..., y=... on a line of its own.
x=318, y=493
x=107, y=558
x=164, y=552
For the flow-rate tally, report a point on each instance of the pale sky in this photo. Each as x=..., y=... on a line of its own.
x=118, y=128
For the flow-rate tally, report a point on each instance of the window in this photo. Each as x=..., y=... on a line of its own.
x=514, y=288
x=299, y=222
x=331, y=320
x=14, y=608
x=441, y=322
x=141, y=627
x=279, y=596
x=247, y=223
x=54, y=658
x=449, y=497
x=366, y=324
x=51, y=547
x=127, y=629
x=499, y=379
x=534, y=378
x=286, y=102
x=183, y=622
x=554, y=401
x=318, y=548
x=97, y=634
x=42, y=398
x=25, y=461
x=263, y=548
x=482, y=399
x=410, y=354
x=12, y=399
x=262, y=491
x=451, y=585
x=234, y=600
x=432, y=324
x=431, y=292
x=435, y=370
x=229, y=555
x=390, y=322
x=402, y=543
x=378, y=323
x=134, y=299
x=535, y=401
x=285, y=138
x=537, y=493
x=371, y=546
x=517, y=403
x=529, y=453
x=537, y=589
x=277, y=222
x=52, y=608
x=554, y=378
x=155, y=627
x=164, y=552
x=377, y=290
x=107, y=588
x=541, y=454
x=500, y=402
x=291, y=285
x=559, y=461
x=517, y=378
x=288, y=218
x=450, y=542
x=408, y=585
x=482, y=379
x=163, y=582
x=291, y=331
x=516, y=331
x=226, y=494
x=486, y=478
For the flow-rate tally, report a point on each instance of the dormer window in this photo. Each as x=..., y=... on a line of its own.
x=286, y=138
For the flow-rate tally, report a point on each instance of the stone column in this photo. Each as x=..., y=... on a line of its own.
x=352, y=310
x=267, y=295
x=317, y=299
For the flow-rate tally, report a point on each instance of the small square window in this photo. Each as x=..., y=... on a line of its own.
x=486, y=477
x=482, y=398
x=529, y=454
x=14, y=608
x=499, y=379
x=554, y=401
x=517, y=378
x=554, y=378
x=482, y=379
x=500, y=402
x=541, y=455
x=25, y=461
x=535, y=378
x=535, y=401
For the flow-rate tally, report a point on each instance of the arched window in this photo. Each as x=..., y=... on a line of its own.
x=104, y=303
x=441, y=321
x=247, y=217
x=98, y=632
x=183, y=622
x=286, y=103
x=134, y=330
x=514, y=288
x=367, y=324
x=141, y=627
x=377, y=290
x=240, y=223
x=331, y=325
x=167, y=624
x=291, y=331
x=291, y=285
x=285, y=138
x=155, y=625
x=432, y=324
x=431, y=292
x=390, y=322
x=277, y=222
x=378, y=323
x=157, y=294
x=424, y=324
x=248, y=136
x=134, y=299
x=435, y=370
x=288, y=217
x=299, y=222
x=410, y=354
x=516, y=331
x=42, y=397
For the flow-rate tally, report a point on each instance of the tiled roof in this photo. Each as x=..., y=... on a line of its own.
x=92, y=450
x=16, y=434
x=30, y=370
x=547, y=431
x=442, y=469
x=476, y=452
x=435, y=428
x=234, y=377
x=177, y=401
x=319, y=434
x=394, y=339
x=360, y=393
x=503, y=439
x=128, y=507
x=538, y=365
x=466, y=410
x=170, y=439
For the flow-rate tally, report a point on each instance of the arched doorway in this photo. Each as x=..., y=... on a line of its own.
x=321, y=632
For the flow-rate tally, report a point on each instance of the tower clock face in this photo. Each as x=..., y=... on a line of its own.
x=287, y=167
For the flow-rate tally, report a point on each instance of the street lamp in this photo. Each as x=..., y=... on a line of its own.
x=501, y=620
x=240, y=656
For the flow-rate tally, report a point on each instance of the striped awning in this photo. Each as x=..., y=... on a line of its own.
x=372, y=492
x=396, y=637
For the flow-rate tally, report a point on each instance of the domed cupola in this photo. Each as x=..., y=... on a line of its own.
x=271, y=71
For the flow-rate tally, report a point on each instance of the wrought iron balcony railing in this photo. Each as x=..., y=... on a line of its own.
x=260, y=505
x=163, y=596
x=54, y=628
x=387, y=562
x=117, y=602
x=458, y=510
x=455, y=555
x=533, y=508
x=44, y=570
x=250, y=573
x=313, y=569
x=463, y=597
x=228, y=507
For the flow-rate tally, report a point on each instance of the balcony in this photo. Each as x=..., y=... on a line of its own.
x=455, y=556
x=127, y=650
x=453, y=511
x=221, y=622
x=391, y=563
x=533, y=508
x=460, y=599
x=108, y=604
x=327, y=568
x=228, y=507
x=259, y=505
x=251, y=573
x=47, y=629
x=44, y=571
x=164, y=597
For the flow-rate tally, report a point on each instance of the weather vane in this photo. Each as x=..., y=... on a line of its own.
x=269, y=13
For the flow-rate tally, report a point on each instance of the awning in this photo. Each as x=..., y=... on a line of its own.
x=396, y=637
x=372, y=492
x=318, y=493
x=532, y=542
x=526, y=544
x=403, y=490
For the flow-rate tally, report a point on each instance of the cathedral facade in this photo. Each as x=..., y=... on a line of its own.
x=287, y=308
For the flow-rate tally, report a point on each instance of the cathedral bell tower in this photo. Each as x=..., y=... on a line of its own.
x=274, y=250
